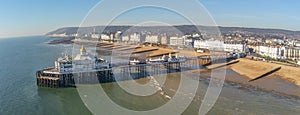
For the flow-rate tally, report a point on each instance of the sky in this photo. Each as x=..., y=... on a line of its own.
x=37, y=17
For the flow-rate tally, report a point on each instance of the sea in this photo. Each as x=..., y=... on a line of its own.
x=21, y=57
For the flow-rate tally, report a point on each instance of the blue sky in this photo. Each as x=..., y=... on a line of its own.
x=36, y=17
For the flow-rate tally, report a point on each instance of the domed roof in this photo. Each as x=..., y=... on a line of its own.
x=82, y=49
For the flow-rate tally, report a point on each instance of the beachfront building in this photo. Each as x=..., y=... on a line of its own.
x=239, y=48
x=164, y=40
x=117, y=36
x=292, y=53
x=270, y=51
x=176, y=41
x=200, y=44
x=152, y=39
x=125, y=38
x=209, y=45
x=104, y=37
x=277, y=52
x=95, y=36
x=135, y=38
x=188, y=40
x=220, y=45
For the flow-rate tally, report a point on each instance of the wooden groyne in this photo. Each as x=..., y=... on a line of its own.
x=265, y=74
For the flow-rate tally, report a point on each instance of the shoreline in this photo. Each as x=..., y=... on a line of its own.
x=251, y=69
x=241, y=82
x=283, y=82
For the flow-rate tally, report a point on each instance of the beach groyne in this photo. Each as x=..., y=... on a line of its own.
x=265, y=74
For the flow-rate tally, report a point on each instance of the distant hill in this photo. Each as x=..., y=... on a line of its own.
x=67, y=30
x=260, y=30
x=167, y=29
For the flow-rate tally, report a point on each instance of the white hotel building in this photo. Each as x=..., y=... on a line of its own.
x=220, y=45
x=273, y=52
x=278, y=52
x=292, y=53
x=152, y=39
x=104, y=37
x=176, y=41
x=136, y=38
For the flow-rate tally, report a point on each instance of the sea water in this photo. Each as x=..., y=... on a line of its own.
x=21, y=57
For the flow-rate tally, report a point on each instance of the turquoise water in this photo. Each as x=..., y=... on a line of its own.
x=21, y=57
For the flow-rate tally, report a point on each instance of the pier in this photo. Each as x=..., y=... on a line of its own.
x=50, y=77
